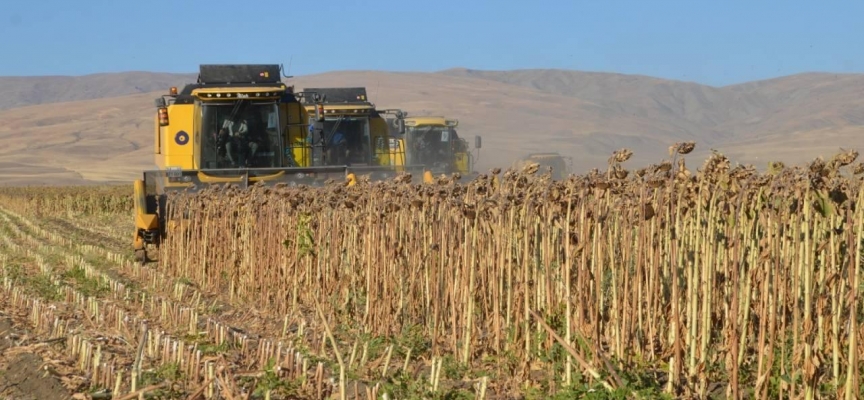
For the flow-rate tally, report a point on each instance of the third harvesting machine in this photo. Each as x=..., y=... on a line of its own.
x=433, y=141
x=241, y=124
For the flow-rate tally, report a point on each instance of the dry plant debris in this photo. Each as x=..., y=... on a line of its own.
x=720, y=281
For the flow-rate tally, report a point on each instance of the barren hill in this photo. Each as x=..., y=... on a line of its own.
x=33, y=90
x=731, y=110
x=104, y=130
x=793, y=118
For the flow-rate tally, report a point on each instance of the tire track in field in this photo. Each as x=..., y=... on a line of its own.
x=180, y=298
x=131, y=275
x=254, y=325
x=125, y=311
x=84, y=234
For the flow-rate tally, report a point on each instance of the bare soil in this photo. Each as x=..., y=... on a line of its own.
x=24, y=374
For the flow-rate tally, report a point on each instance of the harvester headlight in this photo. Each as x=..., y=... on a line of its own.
x=163, y=116
x=300, y=175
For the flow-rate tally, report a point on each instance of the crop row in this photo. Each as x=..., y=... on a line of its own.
x=68, y=200
x=113, y=311
x=724, y=278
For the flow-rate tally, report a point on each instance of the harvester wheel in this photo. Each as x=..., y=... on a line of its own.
x=141, y=256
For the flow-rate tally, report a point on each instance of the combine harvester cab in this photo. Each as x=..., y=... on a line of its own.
x=433, y=141
x=352, y=132
x=241, y=125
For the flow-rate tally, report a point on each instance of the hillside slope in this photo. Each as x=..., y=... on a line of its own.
x=32, y=90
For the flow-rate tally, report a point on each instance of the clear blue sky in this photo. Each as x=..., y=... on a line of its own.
x=714, y=42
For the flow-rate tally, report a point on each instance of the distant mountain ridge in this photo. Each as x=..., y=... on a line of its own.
x=35, y=90
x=710, y=107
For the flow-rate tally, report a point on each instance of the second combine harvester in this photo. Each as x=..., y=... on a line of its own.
x=351, y=132
x=241, y=124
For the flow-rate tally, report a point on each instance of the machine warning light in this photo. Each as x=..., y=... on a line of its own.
x=163, y=116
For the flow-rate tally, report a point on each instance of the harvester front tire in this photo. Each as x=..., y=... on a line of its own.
x=141, y=256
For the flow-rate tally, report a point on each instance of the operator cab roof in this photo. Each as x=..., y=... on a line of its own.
x=336, y=96
x=234, y=77
x=222, y=74
x=427, y=120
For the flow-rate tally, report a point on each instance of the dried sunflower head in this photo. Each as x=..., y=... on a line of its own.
x=530, y=168
x=686, y=147
x=664, y=166
x=403, y=178
x=620, y=156
x=775, y=167
x=846, y=157
x=655, y=182
x=619, y=173
x=681, y=148
x=817, y=165
x=601, y=184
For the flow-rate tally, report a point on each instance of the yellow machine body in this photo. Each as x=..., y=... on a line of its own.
x=240, y=124
x=376, y=146
x=434, y=142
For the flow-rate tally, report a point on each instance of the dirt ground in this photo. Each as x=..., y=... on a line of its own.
x=24, y=373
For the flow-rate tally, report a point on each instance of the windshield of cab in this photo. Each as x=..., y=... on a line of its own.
x=344, y=140
x=431, y=145
x=240, y=134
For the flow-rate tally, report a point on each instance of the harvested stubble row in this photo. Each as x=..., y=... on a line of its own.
x=114, y=317
x=107, y=364
x=186, y=298
x=91, y=214
x=68, y=200
x=724, y=276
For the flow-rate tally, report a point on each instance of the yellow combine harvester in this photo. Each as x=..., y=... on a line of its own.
x=241, y=124
x=356, y=133
x=561, y=165
x=432, y=141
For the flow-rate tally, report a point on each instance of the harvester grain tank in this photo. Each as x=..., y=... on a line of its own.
x=240, y=124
